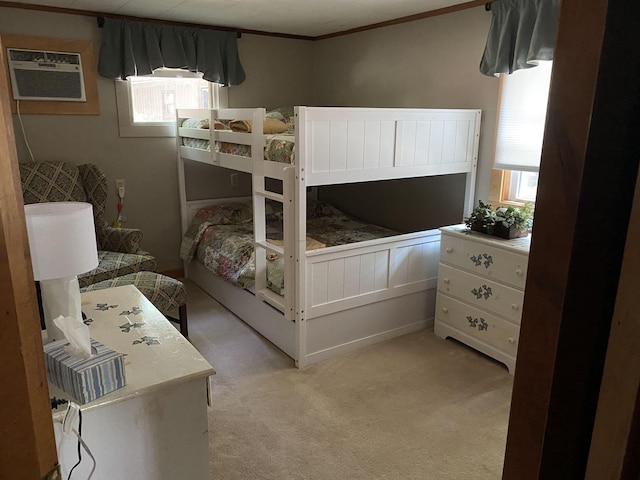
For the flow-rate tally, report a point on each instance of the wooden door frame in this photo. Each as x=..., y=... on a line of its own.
x=588, y=172
x=27, y=444
x=616, y=434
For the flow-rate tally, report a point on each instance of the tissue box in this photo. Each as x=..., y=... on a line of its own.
x=85, y=380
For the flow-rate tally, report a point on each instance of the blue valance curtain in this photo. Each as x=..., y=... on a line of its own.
x=137, y=48
x=522, y=33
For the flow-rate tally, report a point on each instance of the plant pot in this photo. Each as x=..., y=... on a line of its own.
x=477, y=227
x=501, y=231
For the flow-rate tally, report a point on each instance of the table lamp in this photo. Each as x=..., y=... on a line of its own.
x=62, y=240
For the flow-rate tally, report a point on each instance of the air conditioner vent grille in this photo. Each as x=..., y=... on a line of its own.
x=42, y=75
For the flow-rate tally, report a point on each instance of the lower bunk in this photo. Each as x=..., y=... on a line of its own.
x=352, y=295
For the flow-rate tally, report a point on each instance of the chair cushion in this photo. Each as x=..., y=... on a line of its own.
x=51, y=182
x=115, y=264
x=94, y=182
x=165, y=293
x=124, y=240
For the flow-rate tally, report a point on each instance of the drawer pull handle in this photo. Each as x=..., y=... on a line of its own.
x=446, y=280
x=445, y=310
x=514, y=306
x=519, y=272
x=448, y=250
x=512, y=340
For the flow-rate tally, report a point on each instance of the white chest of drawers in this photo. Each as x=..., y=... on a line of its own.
x=481, y=282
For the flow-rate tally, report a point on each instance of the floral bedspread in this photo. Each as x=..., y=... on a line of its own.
x=278, y=148
x=221, y=238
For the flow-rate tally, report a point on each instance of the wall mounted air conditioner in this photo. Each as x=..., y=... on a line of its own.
x=42, y=75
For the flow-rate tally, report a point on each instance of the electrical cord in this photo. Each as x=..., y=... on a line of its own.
x=86, y=447
x=78, y=433
x=81, y=443
x=24, y=135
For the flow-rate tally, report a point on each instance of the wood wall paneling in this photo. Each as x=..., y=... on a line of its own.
x=27, y=445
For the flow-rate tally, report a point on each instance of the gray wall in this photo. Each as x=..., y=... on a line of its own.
x=431, y=63
x=148, y=165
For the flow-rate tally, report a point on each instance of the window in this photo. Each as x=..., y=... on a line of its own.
x=521, y=118
x=147, y=104
x=519, y=186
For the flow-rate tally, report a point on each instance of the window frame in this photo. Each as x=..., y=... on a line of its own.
x=128, y=128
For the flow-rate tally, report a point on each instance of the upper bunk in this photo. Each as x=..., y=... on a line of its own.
x=334, y=145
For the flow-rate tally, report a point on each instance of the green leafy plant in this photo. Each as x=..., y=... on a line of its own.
x=484, y=218
x=520, y=218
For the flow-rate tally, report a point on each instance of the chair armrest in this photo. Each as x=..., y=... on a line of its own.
x=123, y=240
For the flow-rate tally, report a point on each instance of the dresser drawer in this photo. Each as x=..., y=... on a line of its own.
x=481, y=292
x=476, y=257
x=492, y=330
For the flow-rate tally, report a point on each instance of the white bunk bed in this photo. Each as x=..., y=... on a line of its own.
x=343, y=297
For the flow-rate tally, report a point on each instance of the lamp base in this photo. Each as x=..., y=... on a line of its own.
x=60, y=296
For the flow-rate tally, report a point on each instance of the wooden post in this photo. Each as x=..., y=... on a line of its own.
x=27, y=445
x=587, y=180
x=615, y=446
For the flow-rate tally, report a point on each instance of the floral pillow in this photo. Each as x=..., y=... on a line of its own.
x=284, y=114
x=220, y=214
x=317, y=209
x=203, y=123
x=225, y=213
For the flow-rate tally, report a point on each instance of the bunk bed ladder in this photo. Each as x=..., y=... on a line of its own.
x=263, y=246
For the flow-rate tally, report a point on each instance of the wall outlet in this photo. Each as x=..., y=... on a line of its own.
x=234, y=179
x=119, y=184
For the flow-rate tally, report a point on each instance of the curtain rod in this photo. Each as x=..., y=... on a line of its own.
x=100, y=20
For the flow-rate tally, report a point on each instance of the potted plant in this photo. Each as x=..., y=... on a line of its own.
x=504, y=222
x=482, y=218
x=513, y=222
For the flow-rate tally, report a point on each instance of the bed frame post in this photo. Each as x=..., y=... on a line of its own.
x=182, y=194
x=469, y=194
x=258, y=185
x=300, y=236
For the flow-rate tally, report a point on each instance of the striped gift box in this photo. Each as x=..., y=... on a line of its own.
x=85, y=380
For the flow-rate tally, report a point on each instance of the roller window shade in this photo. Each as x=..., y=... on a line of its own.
x=521, y=118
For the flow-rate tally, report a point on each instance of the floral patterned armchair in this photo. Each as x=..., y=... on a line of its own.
x=118, y=248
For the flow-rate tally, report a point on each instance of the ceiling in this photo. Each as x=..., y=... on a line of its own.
x=312, y=18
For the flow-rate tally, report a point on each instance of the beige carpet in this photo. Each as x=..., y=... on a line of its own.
x=415, y=407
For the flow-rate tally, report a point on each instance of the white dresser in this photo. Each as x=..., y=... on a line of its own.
x=481, y=281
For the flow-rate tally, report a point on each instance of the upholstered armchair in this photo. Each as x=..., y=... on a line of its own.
x=118, y=248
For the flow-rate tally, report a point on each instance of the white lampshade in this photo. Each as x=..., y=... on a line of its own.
x=62, y=239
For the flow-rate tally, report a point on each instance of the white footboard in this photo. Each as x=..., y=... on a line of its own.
x=349, y=276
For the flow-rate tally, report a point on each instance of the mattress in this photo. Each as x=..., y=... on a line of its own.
x=221, y=238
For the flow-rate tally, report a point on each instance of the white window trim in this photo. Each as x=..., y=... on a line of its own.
x=125, y=117
x=129, y=128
